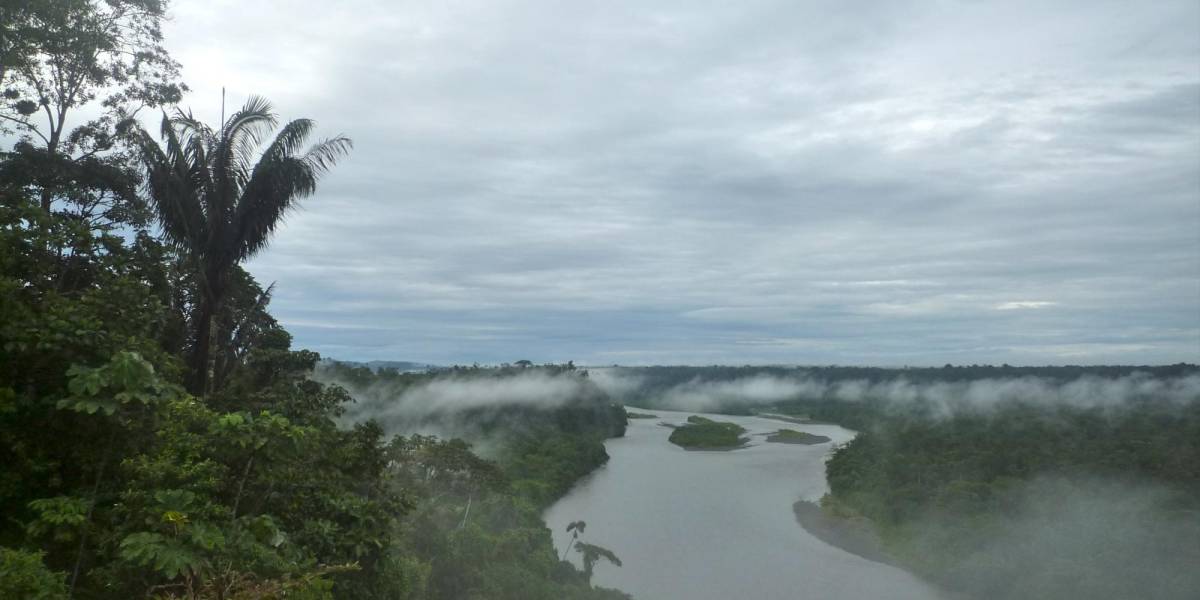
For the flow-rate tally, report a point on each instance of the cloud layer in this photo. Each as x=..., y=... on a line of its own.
x=764, y=181
x=941, y=398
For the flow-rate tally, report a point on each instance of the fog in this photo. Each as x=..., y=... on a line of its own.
x=940, y=398
x=1094, y=538
x=460, y=406
x=451, y=394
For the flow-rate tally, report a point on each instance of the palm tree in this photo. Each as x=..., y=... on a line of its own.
x=592, y=554
x=219, y=206
x=575, y=528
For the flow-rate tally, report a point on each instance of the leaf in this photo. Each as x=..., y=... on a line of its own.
x=206, y=536
x=167, y=556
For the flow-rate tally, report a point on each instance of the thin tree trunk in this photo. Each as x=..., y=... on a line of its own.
x=466, y=513
x=203, y=350
x=51, y=153
x=87, y=523
x=569, y=544
x=237, y=500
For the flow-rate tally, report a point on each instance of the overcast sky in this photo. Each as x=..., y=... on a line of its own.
x=730, y=182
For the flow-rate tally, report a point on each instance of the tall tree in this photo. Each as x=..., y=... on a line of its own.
x=59, y=55
x=219, y=205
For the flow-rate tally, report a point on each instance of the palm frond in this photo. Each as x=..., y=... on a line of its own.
x=170, y=188
x=270, y=195
x=279, y=180
x=233, y=153
x=290, y=139
x=323, y=155
x=242, y=134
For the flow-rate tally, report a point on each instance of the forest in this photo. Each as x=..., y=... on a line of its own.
x=1065, y=501
x=160, y=435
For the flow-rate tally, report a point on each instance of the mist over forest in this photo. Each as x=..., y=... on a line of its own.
x=940, y=392
x=996, y=482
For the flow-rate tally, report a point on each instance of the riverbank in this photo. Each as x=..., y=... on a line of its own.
x=637, y=415
x=851, y=536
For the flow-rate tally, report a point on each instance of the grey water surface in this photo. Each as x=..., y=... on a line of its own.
x=700, y=525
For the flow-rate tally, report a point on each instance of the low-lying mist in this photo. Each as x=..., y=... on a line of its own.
x=451, y=394
x=479, y=405
x=938, y=398
x=1056, y=538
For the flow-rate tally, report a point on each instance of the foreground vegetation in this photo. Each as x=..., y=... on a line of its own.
x=160, y=436
x=700, y=433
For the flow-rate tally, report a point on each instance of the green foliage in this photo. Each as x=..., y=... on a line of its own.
x=702, y=433
x=127, y=379
x=169, y=557
x=544, y=464
x=60, y=517
x=23, y=575
x=791, y=436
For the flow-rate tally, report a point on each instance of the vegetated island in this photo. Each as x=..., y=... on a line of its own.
x=700, y=433
x=791, y=436
x=634, y=415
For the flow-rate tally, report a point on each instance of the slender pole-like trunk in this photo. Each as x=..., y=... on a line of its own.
x=52, y=154
x=467, y=513
x=237, y=499
x=569, y=544
x=202, y=352
x=87, y=523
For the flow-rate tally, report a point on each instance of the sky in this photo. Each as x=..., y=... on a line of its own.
x=888, y=183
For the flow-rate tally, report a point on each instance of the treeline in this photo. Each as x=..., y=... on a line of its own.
x=654, y=381
x=159, y=435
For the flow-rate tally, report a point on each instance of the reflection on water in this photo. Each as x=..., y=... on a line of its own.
x=718, y=525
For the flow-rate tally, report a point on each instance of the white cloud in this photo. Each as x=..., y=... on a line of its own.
x=1024, y=304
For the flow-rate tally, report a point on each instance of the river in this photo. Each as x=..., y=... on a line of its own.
x=692, y=525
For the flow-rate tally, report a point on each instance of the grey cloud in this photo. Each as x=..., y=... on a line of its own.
x=678, y=183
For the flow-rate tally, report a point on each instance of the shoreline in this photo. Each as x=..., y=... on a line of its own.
x=845, y=535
